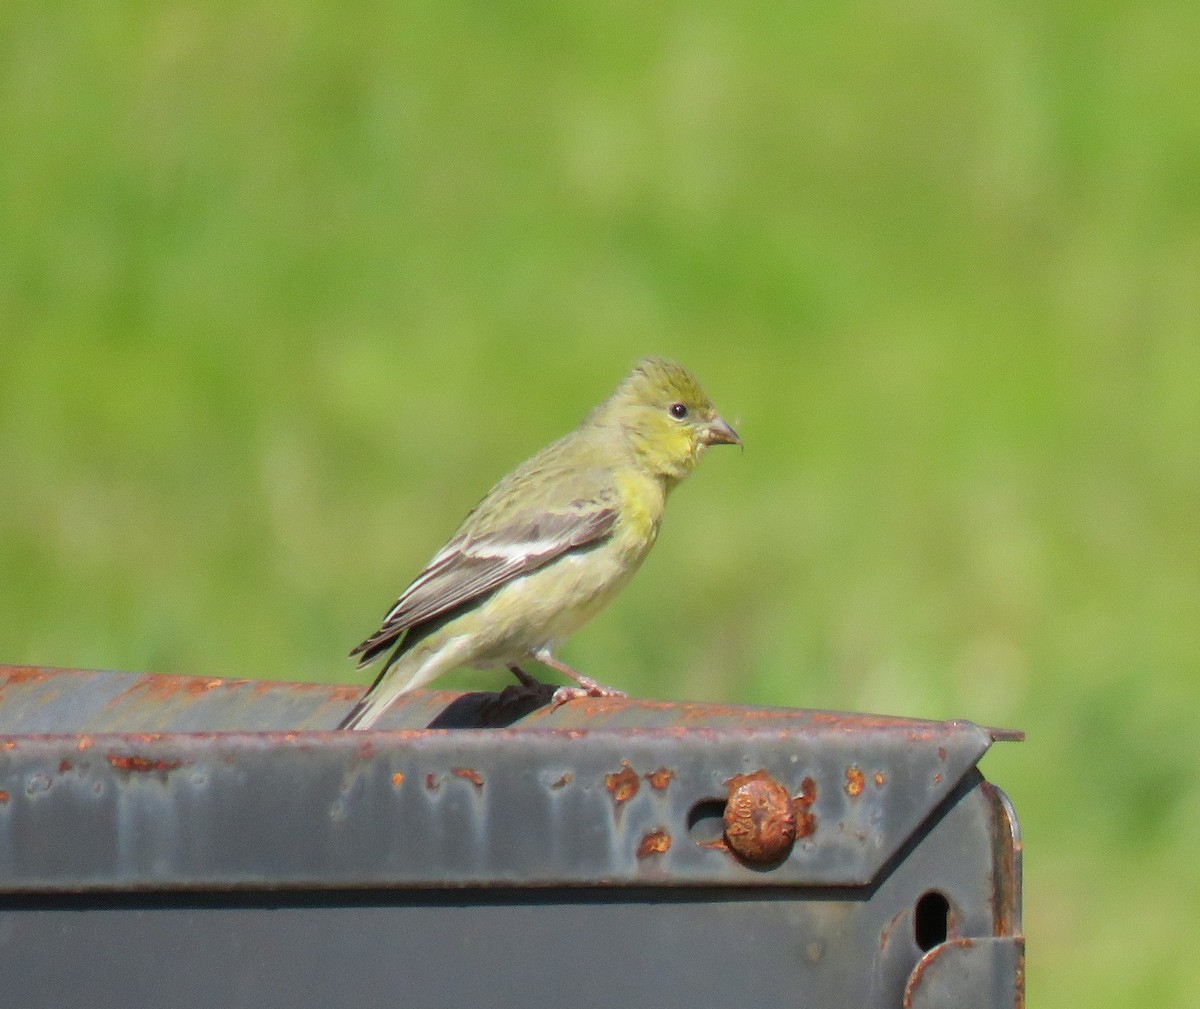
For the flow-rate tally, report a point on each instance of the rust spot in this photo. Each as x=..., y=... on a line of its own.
x=64, y=766
x=760, y=822
x=165, y=687
x=432, y=781
x=806, y=821
x=9, y=744
x=879, y=779
x=24, y=674
x=854, y=782
x=806, y=824
x=137, y=764
x=623, y=784
x=889, y=928
x=468, y=774
x=397, y=779
x=941, y=752
x=654, y=843
x=937, y=779
x=660, y=779
x=565, y=780
x=85, y=743
x=3, y=796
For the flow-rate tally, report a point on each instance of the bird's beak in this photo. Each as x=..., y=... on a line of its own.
x=717, y=432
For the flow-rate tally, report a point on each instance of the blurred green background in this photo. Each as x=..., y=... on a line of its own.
x=284, y=289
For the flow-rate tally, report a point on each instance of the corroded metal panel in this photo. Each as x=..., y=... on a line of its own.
x=534, y=807
x=606, y=853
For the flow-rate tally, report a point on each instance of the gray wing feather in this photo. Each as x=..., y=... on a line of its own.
x=471, y=566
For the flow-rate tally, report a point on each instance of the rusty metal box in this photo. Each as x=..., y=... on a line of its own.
x=174, y=841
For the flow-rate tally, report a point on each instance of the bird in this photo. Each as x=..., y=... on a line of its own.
x=549, y=545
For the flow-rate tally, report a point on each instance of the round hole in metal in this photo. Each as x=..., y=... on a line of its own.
x=706, y=821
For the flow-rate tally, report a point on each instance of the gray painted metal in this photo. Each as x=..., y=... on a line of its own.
x=571, y=858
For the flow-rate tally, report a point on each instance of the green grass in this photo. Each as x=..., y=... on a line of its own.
x=283, y=292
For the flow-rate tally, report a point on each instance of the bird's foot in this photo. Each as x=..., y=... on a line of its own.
x=587, y=688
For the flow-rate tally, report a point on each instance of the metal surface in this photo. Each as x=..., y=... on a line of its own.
x=38, y=699
x=989, y=971
x=609, y=852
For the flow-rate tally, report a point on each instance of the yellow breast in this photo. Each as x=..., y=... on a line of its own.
x=642, y=501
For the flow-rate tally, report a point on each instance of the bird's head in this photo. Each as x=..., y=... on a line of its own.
x=667, y=418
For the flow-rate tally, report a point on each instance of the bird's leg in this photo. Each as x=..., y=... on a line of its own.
x=587, y=686
x=530, y=687
x=527, y=681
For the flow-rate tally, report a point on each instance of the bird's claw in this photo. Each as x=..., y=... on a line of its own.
x=587, y=688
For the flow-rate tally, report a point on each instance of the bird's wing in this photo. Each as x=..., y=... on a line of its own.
x=471, y=565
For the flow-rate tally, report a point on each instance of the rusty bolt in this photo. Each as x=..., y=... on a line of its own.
x=760, y=823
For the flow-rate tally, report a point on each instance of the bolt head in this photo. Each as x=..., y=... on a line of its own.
x=760, y=823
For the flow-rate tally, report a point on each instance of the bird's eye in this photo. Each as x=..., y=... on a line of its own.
x=678, y=411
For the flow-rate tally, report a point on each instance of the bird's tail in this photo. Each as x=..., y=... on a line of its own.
x=376, y=700
x=360, y=715
x=380, y=693
x=400, y=674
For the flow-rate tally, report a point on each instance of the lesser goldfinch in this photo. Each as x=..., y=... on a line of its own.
x=550, y=544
